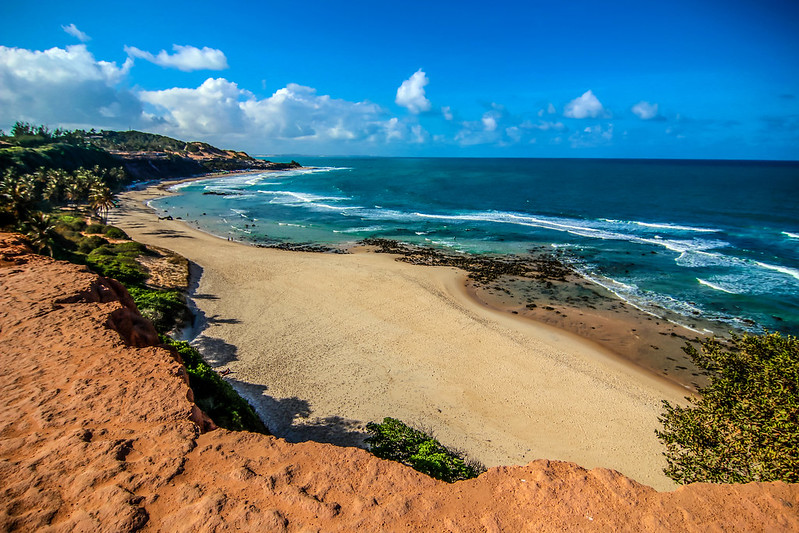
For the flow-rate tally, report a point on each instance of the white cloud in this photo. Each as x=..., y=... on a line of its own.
x=550, y=110
x=645, y=110
x=213, y=107
x=544, y=125
x=446, y=111
x=592, y=136
x=66, y=87
x=294, y=115
x=419, y=134
x=185, y=58
x=75, y=32
x=584, y=106
x=411, y=93
x=499, y=127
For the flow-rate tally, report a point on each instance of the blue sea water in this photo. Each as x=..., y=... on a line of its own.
x=717, y=239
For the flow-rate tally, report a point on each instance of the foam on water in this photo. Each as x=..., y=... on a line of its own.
x=794, y=273
x=645, y=229
x=714, y=286
x=676, y=227
x=366, y=229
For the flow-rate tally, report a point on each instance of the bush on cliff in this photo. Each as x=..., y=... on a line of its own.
x=164, y=308
x=743, y=426
x=214, y=395
x=396, y=441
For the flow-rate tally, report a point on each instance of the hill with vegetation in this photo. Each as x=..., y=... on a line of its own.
x=142, y=155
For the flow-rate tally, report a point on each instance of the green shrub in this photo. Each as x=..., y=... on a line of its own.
x=164, y=308
x=215, y=396
x=72, y=222
x=67, y=233
x=101, y=250
x=88, y=244
x=123, y=269
x=396, y=441
x=115, y=233
x=744, y=425
x=95, y=228
x=130, y=249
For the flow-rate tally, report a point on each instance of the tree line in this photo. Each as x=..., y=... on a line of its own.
x=27, y=199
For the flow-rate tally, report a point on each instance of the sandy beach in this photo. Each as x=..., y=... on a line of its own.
x=320, y=344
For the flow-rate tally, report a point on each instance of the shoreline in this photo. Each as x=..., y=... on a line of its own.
x=321, y=344
x=576, y=305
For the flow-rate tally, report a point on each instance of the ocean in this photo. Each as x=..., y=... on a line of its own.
x=716, y=239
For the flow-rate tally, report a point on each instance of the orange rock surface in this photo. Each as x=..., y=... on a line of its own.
x=98, y=432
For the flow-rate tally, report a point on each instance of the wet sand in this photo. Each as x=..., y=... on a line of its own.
x=321, y=344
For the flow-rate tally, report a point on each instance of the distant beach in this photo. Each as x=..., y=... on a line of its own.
x=321, y=344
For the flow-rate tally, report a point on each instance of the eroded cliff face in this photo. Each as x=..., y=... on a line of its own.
x=98, y=432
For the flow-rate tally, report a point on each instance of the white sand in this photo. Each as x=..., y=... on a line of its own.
x=322, y=344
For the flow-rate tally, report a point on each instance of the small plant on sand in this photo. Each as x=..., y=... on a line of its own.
x=394, y=440
x=743, y=426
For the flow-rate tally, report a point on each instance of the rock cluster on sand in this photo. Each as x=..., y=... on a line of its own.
x=98, y=432
x=481, y=268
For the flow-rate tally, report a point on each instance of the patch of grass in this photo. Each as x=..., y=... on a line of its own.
x=394, y=440
x=70, y=222
x=120, y=267
x=215, y=396
x=115, y=233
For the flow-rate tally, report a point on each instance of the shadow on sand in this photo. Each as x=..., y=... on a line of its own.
x=288, y=418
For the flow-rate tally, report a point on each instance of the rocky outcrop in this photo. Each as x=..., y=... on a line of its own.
x=98, y=432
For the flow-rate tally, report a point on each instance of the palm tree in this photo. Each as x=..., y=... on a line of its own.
x=73, y=193
x=102, y=200
x=54, y=186
x=17, y=195
x=41, y=231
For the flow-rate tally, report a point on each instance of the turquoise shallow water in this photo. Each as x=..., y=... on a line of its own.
x=716, y=239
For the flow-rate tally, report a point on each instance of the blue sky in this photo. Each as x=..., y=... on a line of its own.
x=681, y=79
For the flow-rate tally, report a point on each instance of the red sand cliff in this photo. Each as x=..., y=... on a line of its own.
x=98, y=433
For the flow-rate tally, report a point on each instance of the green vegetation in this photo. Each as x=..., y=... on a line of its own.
x=214, y=395
x=114, y=261
x=75, y=241
x=30, y=147
x=111, y=232
x=135, y=141
x=55, y=155
x=162, y=308
x=743, y=426
x=22, y=195
x=398, y=442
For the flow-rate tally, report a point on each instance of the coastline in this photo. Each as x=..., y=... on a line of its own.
x=320, y=344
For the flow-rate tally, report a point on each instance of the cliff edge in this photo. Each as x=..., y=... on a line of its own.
x=98, y=432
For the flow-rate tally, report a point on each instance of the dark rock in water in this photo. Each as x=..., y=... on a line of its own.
x=481, y=268
x=302, y=247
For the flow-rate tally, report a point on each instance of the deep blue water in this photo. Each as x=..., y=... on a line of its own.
x=720, y=239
